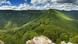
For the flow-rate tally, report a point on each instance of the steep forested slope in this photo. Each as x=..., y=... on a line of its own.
x=73, y=14
x=51, y=23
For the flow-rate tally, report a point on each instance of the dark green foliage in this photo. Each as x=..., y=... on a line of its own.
x=53, y=24
x=29, y=35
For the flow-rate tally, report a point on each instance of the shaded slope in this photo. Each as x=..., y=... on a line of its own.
x=18, y=17
x=73, y=14
x=57, y=17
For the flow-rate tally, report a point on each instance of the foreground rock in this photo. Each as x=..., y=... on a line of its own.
x=43, y=40
x=63, y=42
x=40, y=40
x=1, y=42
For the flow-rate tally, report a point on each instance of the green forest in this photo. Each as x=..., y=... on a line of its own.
x=16, y=27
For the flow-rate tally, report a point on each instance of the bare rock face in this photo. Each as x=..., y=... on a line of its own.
x=1, y=42
x=69, y=43
x=63, y=42
x=40, y=40
x=44, y=40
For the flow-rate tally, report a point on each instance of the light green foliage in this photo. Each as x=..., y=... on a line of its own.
x=74, y=39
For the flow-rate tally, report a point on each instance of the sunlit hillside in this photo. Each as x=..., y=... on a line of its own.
x=16, y=27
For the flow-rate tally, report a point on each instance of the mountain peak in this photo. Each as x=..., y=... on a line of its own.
x=59, y=14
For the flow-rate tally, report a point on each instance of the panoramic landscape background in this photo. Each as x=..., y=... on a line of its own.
x=16, y=27
x=22, y=21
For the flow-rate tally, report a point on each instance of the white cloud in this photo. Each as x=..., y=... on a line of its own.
x=39, y=1
x=44, y=5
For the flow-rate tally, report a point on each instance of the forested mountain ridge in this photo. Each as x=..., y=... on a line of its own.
x=20, y=26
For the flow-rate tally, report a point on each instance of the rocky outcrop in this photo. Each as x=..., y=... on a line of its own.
x=63, y=42
x=1, y=42
x=40, y=40
x=43, y=40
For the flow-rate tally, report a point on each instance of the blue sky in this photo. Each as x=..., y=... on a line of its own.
x=17, y=2
x=39, y=4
